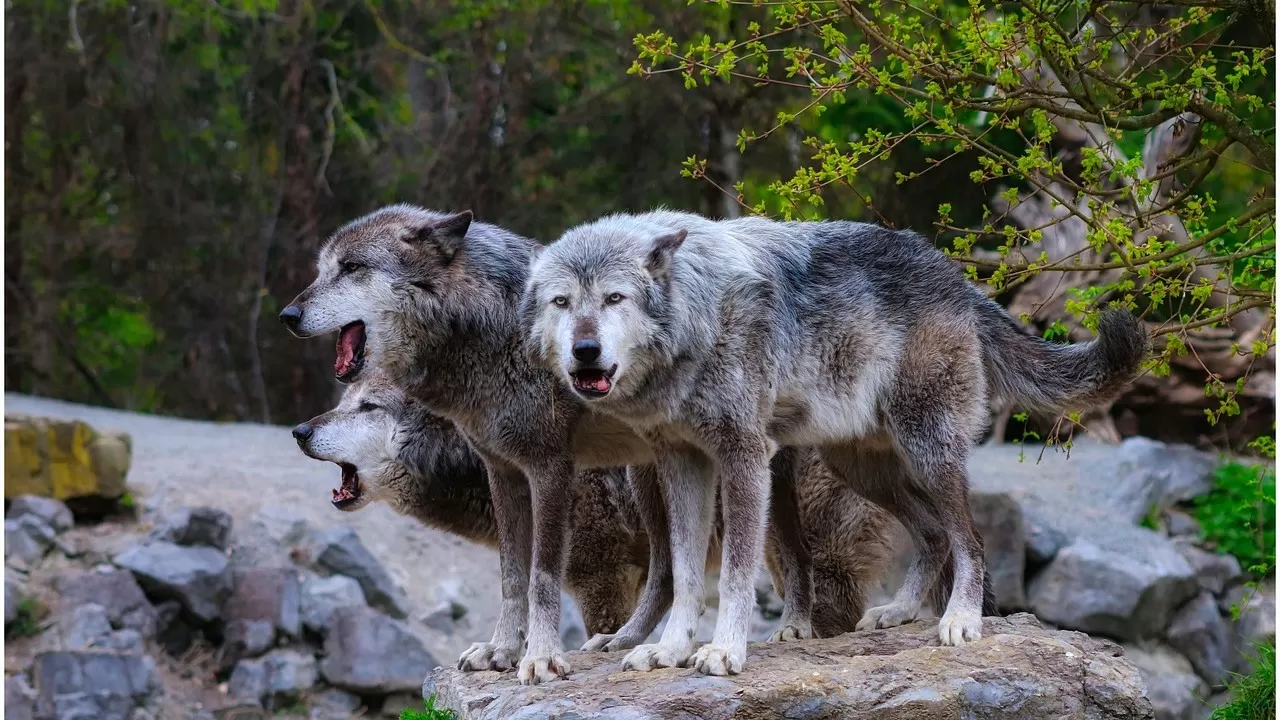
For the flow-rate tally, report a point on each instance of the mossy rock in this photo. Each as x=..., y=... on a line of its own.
x=63, y=459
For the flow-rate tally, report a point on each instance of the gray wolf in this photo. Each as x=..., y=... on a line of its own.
x=718, y=342
x=430, y=300
x=391, y=449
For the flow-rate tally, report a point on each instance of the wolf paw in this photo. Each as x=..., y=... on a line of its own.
x=604, y=642
x=716, y=660
x=886, y=616
x=959, y=627
x=651, y=657
x=792, y=631
x=487, y=656
x=534, y=670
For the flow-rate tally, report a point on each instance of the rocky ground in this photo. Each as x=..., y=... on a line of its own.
x=236, y=589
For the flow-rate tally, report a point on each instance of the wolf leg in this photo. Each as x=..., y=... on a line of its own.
x=512, y=514
x=793, y=550
x=552, y=487
x=656, y=597
x=688, y=486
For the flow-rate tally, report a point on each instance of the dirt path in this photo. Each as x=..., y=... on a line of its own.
x=242, y=467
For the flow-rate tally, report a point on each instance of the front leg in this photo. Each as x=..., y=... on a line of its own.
x=552, y=486
x=656, y=597
x=744, y=500
x=512, y=515
x=793, y=550
x=688, y=487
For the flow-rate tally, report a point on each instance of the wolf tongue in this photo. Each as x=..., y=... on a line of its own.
x=602, y=384
x=346, y=350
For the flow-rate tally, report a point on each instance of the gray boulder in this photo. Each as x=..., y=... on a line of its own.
x=1201, y=634
x=1043, y=540
x=19, y=698
x=339, y=550
x=1214, y=571
x=102, y=686
x=198, y=577
x=334, y=704
x=199, y=526
x=999, y=519
x=367, y=652
x=248, y=682
x=84, y=626
x=281, y=676
x=54, y=513
x=115, y=590
x=322, y=595
x=1175, y=690
x=1127, y=595
x=269, y=595
x=26, y=540
x=1175, y=473
x=279, y=524
x=245, y=639
x=1254, y=613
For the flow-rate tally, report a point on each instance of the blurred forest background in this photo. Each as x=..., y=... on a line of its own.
x=172, y=166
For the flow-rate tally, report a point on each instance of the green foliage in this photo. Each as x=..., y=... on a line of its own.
x=31, y=615
x=1253, y=696
x=429, y=712
x=1238, y=516
x=1151, y=519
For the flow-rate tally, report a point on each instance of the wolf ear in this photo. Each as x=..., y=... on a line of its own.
x=448, y=234
x=658, y=261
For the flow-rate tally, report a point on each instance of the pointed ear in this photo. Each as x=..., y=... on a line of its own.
x=658, y=261
x=449, y=233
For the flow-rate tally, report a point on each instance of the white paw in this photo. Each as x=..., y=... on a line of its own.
x=958, y=628
x=604, y=642
x=653, y=656
x=792, y=631
x=716, y=660
x=487, y=656
x=534, y=670
x=886, y=616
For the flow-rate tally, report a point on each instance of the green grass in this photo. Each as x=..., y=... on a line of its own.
x=31, y=612
x=1238, y=516
x=429, y=712
x=1254, y=695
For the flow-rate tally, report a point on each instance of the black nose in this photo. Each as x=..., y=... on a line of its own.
x=586, y=350
x=302, y=433
x=291, y=316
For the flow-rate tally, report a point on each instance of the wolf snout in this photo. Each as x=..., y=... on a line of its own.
x=291, y=316
x=586, y=350
x=302, y=432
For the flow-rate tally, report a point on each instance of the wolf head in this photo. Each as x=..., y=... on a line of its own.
x=372, y=270
x=363, y=435
x=596, y=302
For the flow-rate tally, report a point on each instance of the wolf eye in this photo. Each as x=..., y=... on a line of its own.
x=367, y=407
x=351, y=267
x=613, y=299
x=560, y=301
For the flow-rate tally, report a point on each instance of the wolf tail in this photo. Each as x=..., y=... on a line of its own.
x=1034, y=374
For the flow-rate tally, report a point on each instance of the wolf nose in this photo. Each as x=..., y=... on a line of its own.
x=291, y=316
x=586, y=350
x=302, y=433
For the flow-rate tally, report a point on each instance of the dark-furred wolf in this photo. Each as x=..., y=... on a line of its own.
x=718, y=342
x=391, y=449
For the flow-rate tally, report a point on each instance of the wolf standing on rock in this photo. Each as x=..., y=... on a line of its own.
x=720, y=341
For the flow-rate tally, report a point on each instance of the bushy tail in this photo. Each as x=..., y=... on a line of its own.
x=1030, y=373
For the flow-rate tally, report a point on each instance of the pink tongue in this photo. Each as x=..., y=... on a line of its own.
x=346, y=350
x=602, y=384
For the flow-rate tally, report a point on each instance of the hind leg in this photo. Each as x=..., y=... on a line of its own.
x=793, y=556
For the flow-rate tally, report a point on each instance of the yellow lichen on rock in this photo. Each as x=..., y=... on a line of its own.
x=63, y=459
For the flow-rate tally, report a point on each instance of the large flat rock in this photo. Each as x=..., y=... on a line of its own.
x=1018, y=669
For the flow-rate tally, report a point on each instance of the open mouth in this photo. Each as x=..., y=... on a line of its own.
x=350, y=360
x=346, y=496
x=593, y=382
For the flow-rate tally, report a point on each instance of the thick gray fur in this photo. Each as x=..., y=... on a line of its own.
x=725, y=340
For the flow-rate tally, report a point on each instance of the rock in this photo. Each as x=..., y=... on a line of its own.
x=1178, y=472
x=1123, y=595
x=84, y=626
x=248, y=681
x=396, y=704
x=1201, y=634
x=122, y=641
x=115, y=590
x=1175, y=691
x=1180, y=524
x=1043, y=541
x=54, y=513
x=1214, y=571
x=334, y=704
x=200, y=526
x=322, y=595
x=26, y=540
x=173, y=632
x=1017, y=670
x=13, y=595
x=279, y=677
x=266, y=594
x=198, y=577
x=282, y=525
x=103, y=686
x=999, y=519
x=19, y=698
x=340, y=551
x=63, y=459
x=367, y=652
x=1254, y=624
x=245, y=639
x=573, y=631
